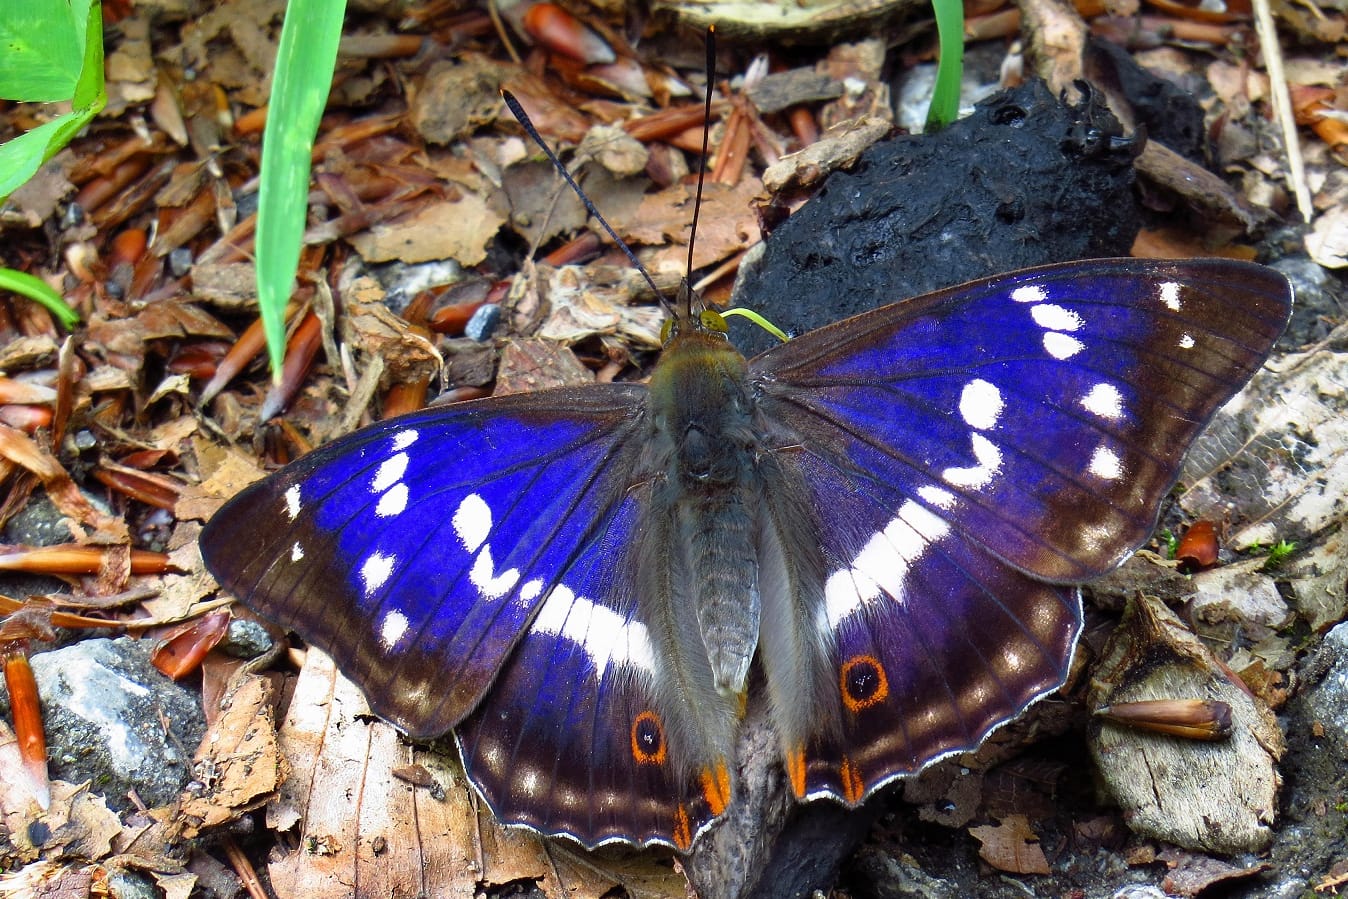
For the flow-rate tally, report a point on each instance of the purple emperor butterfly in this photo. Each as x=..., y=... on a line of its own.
x=887, y=516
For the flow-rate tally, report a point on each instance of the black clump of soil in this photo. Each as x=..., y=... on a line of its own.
x=1169, y=114
x=1025, y=180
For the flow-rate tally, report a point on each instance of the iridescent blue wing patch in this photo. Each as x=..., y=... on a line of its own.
x=1052, y=405
x=417, y=552
x=570, y=740
x=969, y=454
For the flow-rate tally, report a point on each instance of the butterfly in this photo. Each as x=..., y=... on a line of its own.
x=877, y=528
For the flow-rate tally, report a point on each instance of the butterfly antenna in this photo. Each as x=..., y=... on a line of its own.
x=523, y=117
x=702, y=162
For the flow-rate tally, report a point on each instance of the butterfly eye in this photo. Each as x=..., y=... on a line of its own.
x=713, y=321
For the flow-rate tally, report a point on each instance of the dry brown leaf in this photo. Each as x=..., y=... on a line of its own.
x=224, y=472
x=533, y=364
x=444, y=230
x=23, y=451
x=1192, y=874
x=726, y=226
x=359, y=822
x=239, y=761
x=1011, y=846
x=170, y=318
x=407, y=352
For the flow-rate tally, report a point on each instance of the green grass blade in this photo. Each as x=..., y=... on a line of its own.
x=945, y=98
x=40, y=291
x=305, y=61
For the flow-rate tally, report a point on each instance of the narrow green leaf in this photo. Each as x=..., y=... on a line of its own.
x=21, y=157
x=89, y=91
x=305, y=61
x=945, y=98
x=40, y=291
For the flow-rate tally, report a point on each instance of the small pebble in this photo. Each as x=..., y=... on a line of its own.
x=180, y=262
x=484, y=322
x=245, y=639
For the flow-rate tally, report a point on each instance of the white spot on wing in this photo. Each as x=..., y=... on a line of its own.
x=392, y=628
x=531, y=589
x=484, y=578
x=606, y=637
x=375, y=570
x=1052, y=317
x=296, y=552
x=1170, y=295
x=390, y=472
x=1186, y=341
x=393, y=502
x=472, y=522
x=1031, y=293
x=1062, y=346
x=528, y=780
x=292, y=498
x=1105, y=401
x=978, y=476
x=941, y=499
x=1106, y=464
x=882, y=565
x=403, y=439
x=981, y=404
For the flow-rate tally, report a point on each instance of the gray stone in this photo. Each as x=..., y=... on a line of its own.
x=246, y=639
x=1327, y=702
x=111, y=718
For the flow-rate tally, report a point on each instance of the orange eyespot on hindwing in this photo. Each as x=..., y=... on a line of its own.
x=863, y=683
x=648, y=739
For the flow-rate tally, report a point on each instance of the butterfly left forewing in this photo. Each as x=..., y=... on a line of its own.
x=416, y=552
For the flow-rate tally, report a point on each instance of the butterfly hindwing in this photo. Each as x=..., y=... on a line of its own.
x=571, y=740
x=936, y=642
x=416, y=552
x=969, y=455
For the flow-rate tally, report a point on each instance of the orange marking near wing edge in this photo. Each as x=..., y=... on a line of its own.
x=854, y=788
x=683, y=829
x=795, y=771
x=716, y=787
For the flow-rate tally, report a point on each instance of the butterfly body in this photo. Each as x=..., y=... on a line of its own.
x=886, y=516
x=727, y=558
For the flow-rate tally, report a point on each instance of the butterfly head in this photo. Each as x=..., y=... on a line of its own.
x=689, y=314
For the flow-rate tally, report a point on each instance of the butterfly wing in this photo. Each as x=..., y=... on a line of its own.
x=418, y=551
x=969, y=451
x=571, y=740
x=474, y=559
